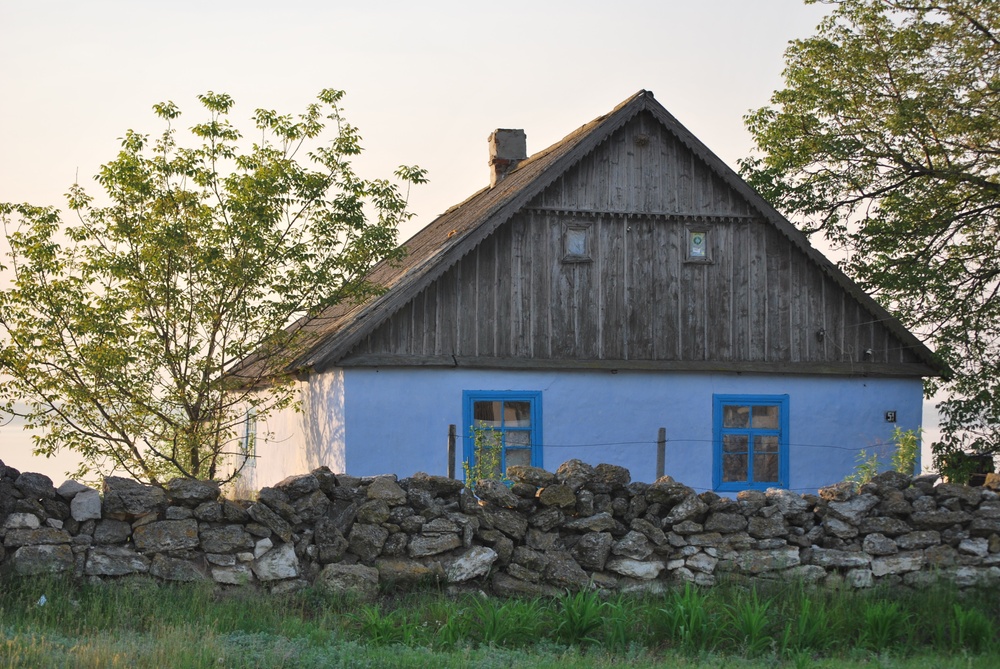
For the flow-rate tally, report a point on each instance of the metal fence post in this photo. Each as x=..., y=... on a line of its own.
x=661, y=452
x=451, y=451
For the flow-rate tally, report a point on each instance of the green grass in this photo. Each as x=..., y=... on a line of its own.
x=141, y=623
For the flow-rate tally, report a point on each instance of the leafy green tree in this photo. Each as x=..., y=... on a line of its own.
x=886, y=139
x=120, y=327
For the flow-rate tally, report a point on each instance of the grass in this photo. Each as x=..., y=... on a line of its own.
x=141, y=623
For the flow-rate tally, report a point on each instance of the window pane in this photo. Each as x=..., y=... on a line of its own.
x=734, y=467
x=518, y=456
x=735, y=443
x=765, y=467
x=767, y=417
x=517, y=414
x=518, y=438
x=576, y=242
x=765, y=443
x=735, y=416
x=487, y=413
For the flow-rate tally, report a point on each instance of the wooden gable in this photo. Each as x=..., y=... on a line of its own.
x=760, y=301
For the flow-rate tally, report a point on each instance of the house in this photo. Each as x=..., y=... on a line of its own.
x=620, y=282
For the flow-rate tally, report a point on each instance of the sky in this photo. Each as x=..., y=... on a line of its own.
x=426, y=82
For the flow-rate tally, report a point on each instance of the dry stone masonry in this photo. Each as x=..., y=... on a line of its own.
x=579, y=527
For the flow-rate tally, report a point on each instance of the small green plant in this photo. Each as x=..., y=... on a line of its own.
x=865, y=470
x=688, y=621
x=486, y=461
x=971, y=630
x=904, y=457
x=884, y=625
x=811, y=628
x=580, y=616
x=749, y=617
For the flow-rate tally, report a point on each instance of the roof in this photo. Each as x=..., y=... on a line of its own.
x=325, y=339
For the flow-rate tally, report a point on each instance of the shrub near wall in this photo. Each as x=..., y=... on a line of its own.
x=546, y=533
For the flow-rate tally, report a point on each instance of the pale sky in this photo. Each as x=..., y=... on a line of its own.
x=426, y=81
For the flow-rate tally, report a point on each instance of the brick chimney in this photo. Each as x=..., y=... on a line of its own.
x=507, y=149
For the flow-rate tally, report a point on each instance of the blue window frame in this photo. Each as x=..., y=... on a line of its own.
x=512, y=420
x=750, y=442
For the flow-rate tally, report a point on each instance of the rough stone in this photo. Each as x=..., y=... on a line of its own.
x=633, y=545
x=373, y=512
x=354, y=580
x=939, y=520
x=854, y=509
x=35, y=486
x=44, y=559
x=559, y=495
x=575, y=473
x=39, y=536
x=592, y=551
x=967, y=495
x=226, y=539
x=667, y=491
x=166, y=535
x=115, y=561
x=176, y=569
x=441, y=485
x=979, y=547
x=788, y=502
x=759, y=561
x=22, y=521
x=301, y=485
x=890, y=527
x=125, y=499
x=86, y=505
x=278, y=563
x=425, y=546
x=263, y=514
x=564, y=572
x=759, y=527
x=640, y=569
x=237, y=574
x=701, y=562
x=505, y=585
x=70, y=489
x=690, y=508
x=601, y=522
x=511, y=523
x=495, y=492
x=609, y=478
x=385, y=489
x=112, y=532
x=879, y=544
x=471, y=564
x=840, y=528
x=828, y=557
x=897, y=564
x=366, y=541
x=192, y=491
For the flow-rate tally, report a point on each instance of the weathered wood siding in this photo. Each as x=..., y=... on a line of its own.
x=513, y=298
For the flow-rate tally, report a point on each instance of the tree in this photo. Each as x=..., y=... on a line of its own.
x=886, y=139
x=121, y=327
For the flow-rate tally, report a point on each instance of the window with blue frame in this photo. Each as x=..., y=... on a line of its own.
x=510, y=421
x=750, y=442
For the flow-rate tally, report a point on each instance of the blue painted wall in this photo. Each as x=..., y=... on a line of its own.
x=396, y=420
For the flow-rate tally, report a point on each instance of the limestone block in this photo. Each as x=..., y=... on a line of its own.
x=879, y=544
x=564, y=572
x=298, y=486
x=43, y=559
x=495, y=492
x=559, y=495
x=854, y=509
x=238, y=574
x=22, y=521
x=979, y=547
x=897, y=564
x=760, y=561
x=640, y=569
x=473, y=563
x=591, y=552
x=424, y=546
x=115, y=561
x=175, y=569
x=278, y=563
x=352, y=580
x=86, y=505
x=192, y=492
x=690, y=508
x=633, y=545
x=575, y=473
x=225, y=539
x=125, y=499
x=166, y=535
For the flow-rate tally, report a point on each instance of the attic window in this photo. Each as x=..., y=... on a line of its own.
x=698, y=249
x=576, y=243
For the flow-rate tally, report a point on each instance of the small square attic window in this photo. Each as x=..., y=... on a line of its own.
x=576, y=243
x=698, y=249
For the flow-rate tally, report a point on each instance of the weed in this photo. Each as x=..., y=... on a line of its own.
x=687, y=620
x=884, y=624
x=971, y=630
x=750, y=622
x=579, y=616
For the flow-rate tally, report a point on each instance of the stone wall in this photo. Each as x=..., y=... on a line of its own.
x=545, y=533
